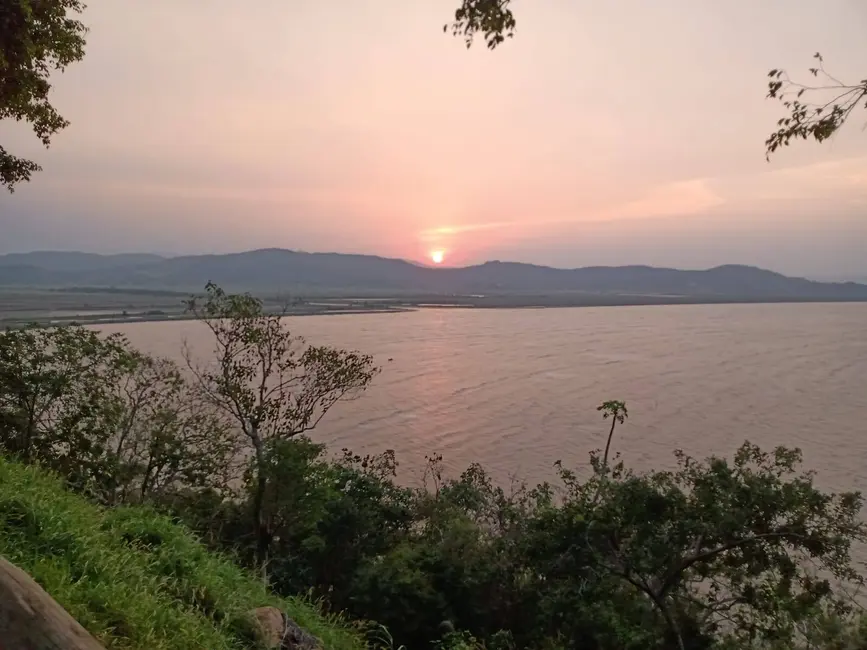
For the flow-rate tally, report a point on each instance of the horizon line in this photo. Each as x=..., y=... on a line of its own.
x=168, y=256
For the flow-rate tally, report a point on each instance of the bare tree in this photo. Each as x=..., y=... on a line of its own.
x=270, y=382
x=166, y=435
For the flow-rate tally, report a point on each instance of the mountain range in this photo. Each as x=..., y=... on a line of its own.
x=290, y=272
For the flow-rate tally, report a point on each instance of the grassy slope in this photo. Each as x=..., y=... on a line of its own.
x=132, y=577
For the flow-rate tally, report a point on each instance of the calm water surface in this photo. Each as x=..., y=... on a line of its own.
x=518, y=389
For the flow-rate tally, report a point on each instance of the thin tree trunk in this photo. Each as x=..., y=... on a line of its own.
x=262, y=532
x=263, y=535
x=608, y=445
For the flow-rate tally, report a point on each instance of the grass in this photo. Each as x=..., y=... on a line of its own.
x=135, y=579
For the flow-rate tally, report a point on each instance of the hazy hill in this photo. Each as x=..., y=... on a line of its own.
x=75, y=261
x=284, y=271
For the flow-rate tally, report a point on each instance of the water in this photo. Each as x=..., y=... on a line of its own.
x=518, y=389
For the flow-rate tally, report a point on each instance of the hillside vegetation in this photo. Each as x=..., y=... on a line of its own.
x=133, y=578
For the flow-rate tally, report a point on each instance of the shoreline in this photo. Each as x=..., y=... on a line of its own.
x=92, y=315
x=115, y=319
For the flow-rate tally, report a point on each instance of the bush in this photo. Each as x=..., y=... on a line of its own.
x=744, y=552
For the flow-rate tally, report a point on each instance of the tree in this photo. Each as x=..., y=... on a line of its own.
x=819, y=119
x=56, y=404
x=37, y=37
x=272, y=385
x=115, y=423
x=739, y=552
x=166, y=437
x=724, y=554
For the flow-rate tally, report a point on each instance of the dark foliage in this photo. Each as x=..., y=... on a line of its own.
x=37, y=37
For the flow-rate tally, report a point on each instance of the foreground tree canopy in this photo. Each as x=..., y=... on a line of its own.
x=38, y=37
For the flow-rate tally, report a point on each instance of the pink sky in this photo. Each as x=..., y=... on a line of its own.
x=616, y=132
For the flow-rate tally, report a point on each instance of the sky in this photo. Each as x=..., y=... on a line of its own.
x=617, y=132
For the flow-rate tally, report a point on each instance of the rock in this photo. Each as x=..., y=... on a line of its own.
x=279, y=632
x=297, y=638
x=31, y=619
x=271, y=626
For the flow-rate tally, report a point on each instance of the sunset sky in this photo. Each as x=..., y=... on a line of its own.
x=614, y=132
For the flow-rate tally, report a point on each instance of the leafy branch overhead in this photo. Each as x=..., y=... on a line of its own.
x=37, y=37
x=491, y=18
x=818, y=119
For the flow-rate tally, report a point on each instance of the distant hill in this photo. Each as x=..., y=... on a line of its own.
x=283, y=271
x=75, y=261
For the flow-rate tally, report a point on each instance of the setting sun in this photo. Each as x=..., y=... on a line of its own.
x=437, y=257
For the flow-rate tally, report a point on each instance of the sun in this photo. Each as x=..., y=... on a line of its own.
x=437, y=257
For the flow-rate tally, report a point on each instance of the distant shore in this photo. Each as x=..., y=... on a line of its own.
x=89, y=316
x=21, y=306
x=136, y=318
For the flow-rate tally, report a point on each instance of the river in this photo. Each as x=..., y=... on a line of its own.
x=517, y=389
